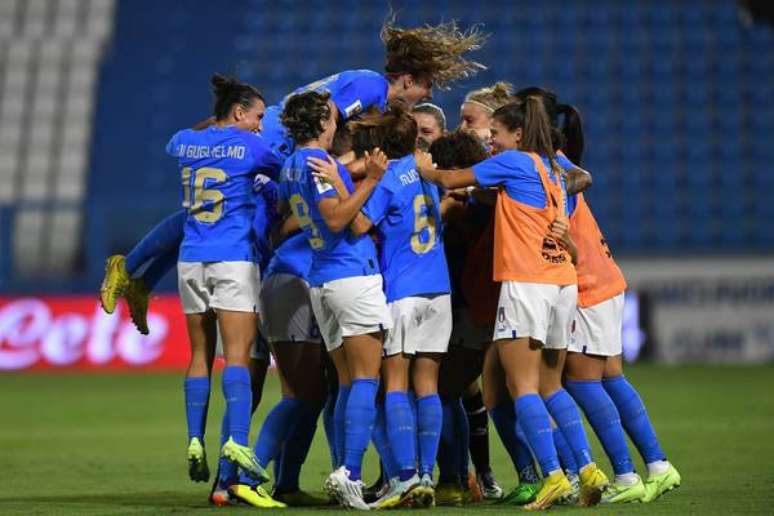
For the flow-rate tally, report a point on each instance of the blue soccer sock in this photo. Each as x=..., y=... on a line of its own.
x=401, y=432
x=603, y=416
x=382, y=444
x=528, y=472
x=504, y=419
x=533, y=418
x=330, y=429
x=164, y=238
x=197, y=399
x=567, y=417
x=449, y=447
x=566, y=458
x=429, y=423
x=296, y=448
x=159, y=267
x=239, y=400
x=635, y=418
x=275, y=429
x=227, y=470
x=340, y=423
x=360, y=414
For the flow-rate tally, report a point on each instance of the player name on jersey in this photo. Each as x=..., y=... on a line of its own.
x=207, y=151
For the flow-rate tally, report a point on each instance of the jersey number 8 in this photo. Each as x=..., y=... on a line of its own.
x=195, y=205
x=301, y=211
x=423, y=220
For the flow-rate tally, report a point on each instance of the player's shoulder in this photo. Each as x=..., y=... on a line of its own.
x=360, y=74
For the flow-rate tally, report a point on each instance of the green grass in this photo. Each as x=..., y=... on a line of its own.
x=99, y=444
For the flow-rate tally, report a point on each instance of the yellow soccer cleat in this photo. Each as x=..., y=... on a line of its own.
x=137, y=295
x=244, y=457
x=197, y=461
x=255, y=496
x=554, y=488
x=622, y=493
x=115, y=283
x=656, y=485
x=449, y=494
x=593, y=483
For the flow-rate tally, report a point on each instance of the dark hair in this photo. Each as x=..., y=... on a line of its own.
x=568, y=137
x=394, y=132
x=229, y=91
x=458, y=149
x=304, y=114
x=436, y=112
x=529, y=115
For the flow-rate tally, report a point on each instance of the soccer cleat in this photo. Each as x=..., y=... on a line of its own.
x=197, y=461
x=593, y=482
x=348, y=492
x=449, y=494
x=619, y=493
x=409, y=493
x=222, y=498
x=521, y=495
x=553, y=489
x=573, y=497
x=255, y=496
x=244, y=457
x=656, y=485
x=115, y=283
x=490, y=489
x=300, y=499
x=137, y=298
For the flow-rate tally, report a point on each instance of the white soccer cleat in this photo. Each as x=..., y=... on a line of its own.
x=348, y=492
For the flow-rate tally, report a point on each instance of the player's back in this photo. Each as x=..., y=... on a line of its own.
x=406, y=212
x=217, y=167
x=336, y=254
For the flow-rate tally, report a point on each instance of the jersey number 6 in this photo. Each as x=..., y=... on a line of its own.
x=423, y=220
x=195, y=205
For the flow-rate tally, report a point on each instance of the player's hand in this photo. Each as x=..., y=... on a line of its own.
x=375, y=164
x=560, y=230
x=327, y=170
x=425, y=164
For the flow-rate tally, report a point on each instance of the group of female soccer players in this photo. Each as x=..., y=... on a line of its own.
x=387, y=264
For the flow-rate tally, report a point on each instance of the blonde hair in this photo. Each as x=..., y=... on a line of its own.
x=491, y=97
x=432, y=52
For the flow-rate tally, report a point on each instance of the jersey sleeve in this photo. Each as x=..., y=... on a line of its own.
x=264, y=160
x=378, y=204
x=173, y=146
x=564, y=162
x=360, y=93
x=500, y=169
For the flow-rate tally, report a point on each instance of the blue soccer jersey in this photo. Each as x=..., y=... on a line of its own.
x=353, y=91
x=266, y=215
x=217, y=167
x=294, y=256
x=336, y=255
x=406, y=212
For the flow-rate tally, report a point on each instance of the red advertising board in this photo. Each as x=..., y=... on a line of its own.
x=72, y=332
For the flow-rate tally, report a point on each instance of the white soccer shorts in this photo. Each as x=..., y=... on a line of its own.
x=348, y=307
x=419, y=325
x=286, y=310
x=598, y=328
x=541, y=311
x=218, y=285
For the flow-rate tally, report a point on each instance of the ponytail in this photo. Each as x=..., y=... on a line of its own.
x=537, y=129
x=229, y=91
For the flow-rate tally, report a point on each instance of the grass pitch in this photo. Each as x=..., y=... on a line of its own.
x=115, y=444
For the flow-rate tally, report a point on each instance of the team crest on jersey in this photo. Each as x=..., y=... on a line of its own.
x=322, y=185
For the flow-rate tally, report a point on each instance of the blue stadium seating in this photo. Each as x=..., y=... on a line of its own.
x=676, y=97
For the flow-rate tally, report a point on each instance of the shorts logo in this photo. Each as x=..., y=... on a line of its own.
x=322, y=186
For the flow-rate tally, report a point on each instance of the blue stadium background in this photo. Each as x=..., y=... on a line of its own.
x=677, y=99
